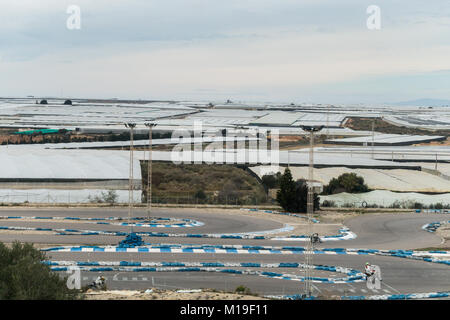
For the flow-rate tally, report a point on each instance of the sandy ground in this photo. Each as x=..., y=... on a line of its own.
x=23, y=232
x=435, y=143
x=158, y=294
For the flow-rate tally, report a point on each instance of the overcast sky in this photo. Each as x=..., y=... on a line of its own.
x=245, y=50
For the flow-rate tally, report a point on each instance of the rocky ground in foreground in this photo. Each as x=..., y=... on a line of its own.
x=159, y=294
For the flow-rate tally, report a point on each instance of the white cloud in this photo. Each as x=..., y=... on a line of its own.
x=194, y=46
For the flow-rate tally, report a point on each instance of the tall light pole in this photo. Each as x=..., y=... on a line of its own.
x=373, y=137
x=310, y=209
x=149, y=168
x=131, y=126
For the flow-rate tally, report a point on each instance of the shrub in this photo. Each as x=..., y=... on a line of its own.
x=200, y=195
x=271, y=181
x=242, y=290
x=329, y=203
x=23, y=276
x=418, y=205
x=110, y=197
x=106, y=197
x=347, y=182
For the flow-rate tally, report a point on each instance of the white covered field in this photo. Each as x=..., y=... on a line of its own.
x=63, y=196
x=386, y=199
x=379, y=179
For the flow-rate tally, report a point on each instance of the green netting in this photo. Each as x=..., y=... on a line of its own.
x=39, y=131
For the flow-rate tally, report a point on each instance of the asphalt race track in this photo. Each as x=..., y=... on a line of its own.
x=374, y=231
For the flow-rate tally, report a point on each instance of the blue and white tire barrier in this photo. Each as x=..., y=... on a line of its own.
x=433, y=226
x=344, y=234
x=432, y=210
x=282, y=213
x=353, y=276
x=428, y=256
x=411, y=296
x=185, y=223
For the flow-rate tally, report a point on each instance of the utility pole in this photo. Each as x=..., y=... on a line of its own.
x=310, y=210
x=328, y=120
x=149, y=168
x=131, y=126
x=373, y=136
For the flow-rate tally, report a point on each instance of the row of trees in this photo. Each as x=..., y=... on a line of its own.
x=292, y=195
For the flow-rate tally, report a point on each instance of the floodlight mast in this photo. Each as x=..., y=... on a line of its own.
x=310, y=209
x=131, y=126
x=150, y=126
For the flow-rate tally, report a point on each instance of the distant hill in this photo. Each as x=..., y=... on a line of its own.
x=425, y=103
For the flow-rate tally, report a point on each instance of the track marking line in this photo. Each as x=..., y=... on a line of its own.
x=314, y=287
x=391, y=287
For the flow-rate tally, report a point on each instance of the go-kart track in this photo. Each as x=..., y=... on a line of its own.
x=188, y=248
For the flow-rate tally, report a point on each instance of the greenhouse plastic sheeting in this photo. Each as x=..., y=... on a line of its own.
x=66, y=164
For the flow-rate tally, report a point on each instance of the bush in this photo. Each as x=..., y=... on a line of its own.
x=418, y=205
x=271, y=181
x=23, y=276
x=200, y=195
x=110, y=197
x=242, y=290
x=347, y=182
x=106, y=197
x=329, y=203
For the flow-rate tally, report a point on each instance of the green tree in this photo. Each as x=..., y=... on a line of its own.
x=347, y=182
x=301, y=197
x=23, y=276
x=271, y=181
x=286, y=194
x=200, y=195
x=293, y=196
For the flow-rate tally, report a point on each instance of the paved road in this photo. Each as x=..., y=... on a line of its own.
x=383, y=231
x=394, y=231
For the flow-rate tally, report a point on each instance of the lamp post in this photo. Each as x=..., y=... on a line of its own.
x=149, y=167
x=131, y=126
x=310, y=209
